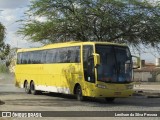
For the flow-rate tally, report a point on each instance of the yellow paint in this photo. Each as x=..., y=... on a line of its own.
x=66, y=75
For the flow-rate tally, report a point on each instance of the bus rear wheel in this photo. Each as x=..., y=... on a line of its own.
x=27, y=88
x=110, y=99
x=79, y=93
x=33, y=91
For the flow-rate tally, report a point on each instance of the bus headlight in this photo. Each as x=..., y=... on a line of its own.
x=101, y=86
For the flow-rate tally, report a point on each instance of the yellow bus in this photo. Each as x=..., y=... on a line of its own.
x=94, y=69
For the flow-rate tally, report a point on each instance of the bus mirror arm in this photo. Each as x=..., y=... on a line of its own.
x=96, y=59
x=96, y=66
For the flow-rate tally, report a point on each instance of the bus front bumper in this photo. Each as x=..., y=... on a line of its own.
x=115, y=90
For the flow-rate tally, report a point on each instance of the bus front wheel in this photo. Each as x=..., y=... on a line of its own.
x=79, y=93
x=27, y=88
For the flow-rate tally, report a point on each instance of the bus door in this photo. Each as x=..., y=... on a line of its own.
x=88, y=69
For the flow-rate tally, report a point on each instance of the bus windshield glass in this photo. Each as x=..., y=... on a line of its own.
x=116, y=64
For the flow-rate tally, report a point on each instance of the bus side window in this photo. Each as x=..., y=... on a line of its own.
x=75, y=55
x=24, y=58
x=43, y=57
x=19, y=58
x=88, y=63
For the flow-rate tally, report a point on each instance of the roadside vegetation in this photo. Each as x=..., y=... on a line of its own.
x=4, y=51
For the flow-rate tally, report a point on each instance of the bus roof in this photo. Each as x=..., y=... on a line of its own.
x=67, y=44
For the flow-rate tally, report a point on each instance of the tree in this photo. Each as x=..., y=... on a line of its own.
x=4, y=48
x=133, y=22
x=2, y=33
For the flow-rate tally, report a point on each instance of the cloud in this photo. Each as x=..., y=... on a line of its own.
x=12, y=4
x=17, y=41
x=12, y=15
x=9, y=16
x=41, y=19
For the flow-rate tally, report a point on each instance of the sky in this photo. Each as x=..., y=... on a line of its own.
x=13, y=10
x=10, y=12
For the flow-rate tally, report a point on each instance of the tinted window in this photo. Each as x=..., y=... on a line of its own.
x=57, y=55
x=25, y=58
x=36, y=57
x=29, y=57
x=88, y=63
x=19, y=57
x=87, y=51
x=50, y=56
x=116, y=64
x=107, y=68
x=67, y=55
x=74, y=54
x=62, y=57
x=43, y=58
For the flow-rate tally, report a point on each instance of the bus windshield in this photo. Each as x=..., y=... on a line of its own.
x=116, y=64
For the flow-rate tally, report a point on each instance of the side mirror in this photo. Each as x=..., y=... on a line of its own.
x=96, y=59
x=136, y=62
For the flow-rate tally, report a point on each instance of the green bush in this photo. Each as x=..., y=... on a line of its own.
x=3, y=68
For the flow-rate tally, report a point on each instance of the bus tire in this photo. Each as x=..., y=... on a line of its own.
x=32, y=87
x=27, y=88
x=79, y=93
x=110, y=99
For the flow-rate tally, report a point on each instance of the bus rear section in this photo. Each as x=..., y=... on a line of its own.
x=51, y=69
